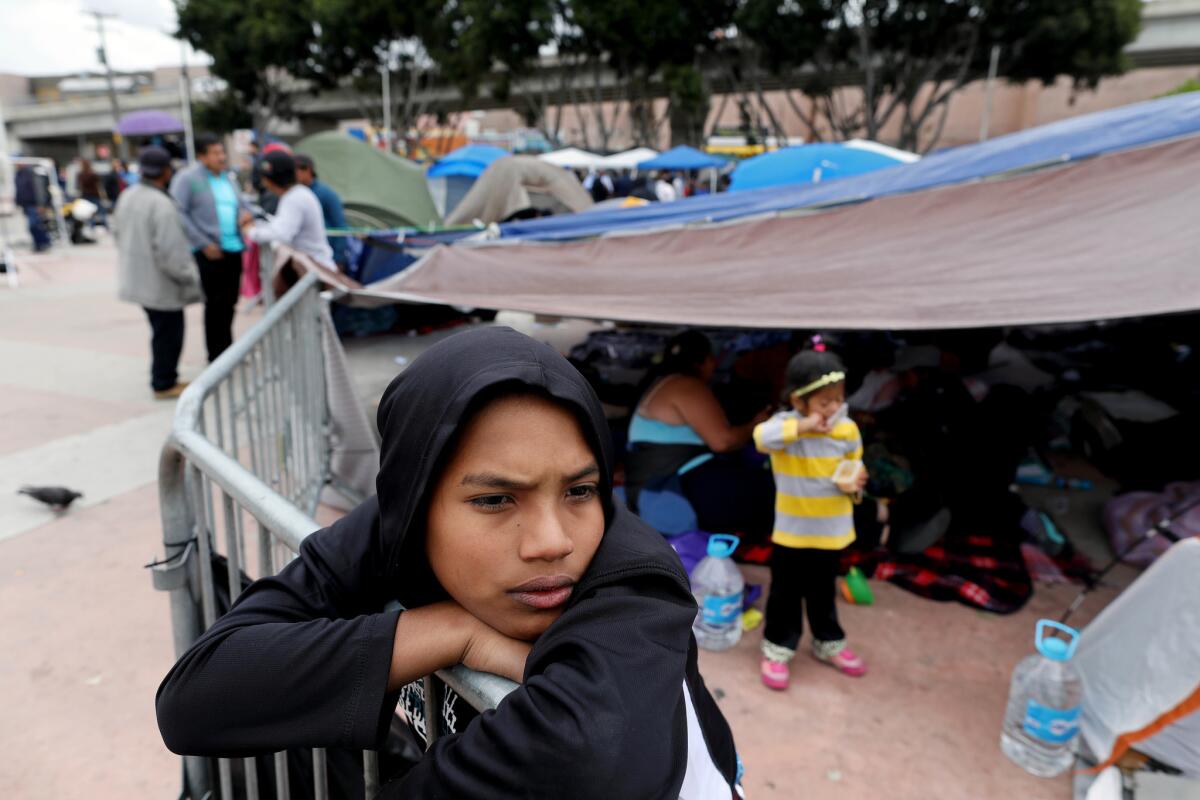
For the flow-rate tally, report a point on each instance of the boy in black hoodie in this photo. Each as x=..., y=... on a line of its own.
x=494, y=523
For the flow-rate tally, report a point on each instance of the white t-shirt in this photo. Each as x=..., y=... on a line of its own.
x=299, y=223
x=702, y=780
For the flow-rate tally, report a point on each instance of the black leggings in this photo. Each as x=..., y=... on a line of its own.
x=803, y=579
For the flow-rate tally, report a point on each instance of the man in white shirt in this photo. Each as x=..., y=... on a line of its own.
x=663, y=189
x=298, y=222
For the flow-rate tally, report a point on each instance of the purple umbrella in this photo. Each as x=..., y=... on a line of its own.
x=148, y=123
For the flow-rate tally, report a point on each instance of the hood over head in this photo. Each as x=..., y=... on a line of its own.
x=421, y=412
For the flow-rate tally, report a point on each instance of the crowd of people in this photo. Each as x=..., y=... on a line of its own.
x=660, y=186
x=96, y=188
x=207, y=245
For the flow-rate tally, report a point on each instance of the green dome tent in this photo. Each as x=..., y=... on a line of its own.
x=379, y=190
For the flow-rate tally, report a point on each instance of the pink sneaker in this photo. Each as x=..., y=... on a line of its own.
x=775, y=674
x=845, y=661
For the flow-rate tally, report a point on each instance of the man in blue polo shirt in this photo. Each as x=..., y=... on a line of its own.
x=331, y=205
x=212, y=212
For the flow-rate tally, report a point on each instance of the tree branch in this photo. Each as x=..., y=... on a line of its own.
x=937, y=98
x=776, y=126
x=937, y=134
x=808, y=120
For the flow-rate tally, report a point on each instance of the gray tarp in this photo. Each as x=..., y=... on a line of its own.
x=1110, y=237
x=506, y=185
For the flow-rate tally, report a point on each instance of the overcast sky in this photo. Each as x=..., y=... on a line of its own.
x=50, y=37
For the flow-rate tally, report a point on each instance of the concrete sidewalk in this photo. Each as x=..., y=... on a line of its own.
x=85, y=638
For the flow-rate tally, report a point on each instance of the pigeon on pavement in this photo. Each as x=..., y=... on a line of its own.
x=58, y=498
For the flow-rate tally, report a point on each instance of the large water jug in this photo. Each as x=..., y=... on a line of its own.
x=718, y=586
x=1042, y=720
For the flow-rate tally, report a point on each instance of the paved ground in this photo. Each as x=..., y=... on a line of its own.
x=85, y=639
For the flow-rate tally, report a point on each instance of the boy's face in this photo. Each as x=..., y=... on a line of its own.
x=824, y=401
x=516, y=516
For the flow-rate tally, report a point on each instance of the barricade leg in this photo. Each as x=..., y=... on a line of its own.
x=178, y=575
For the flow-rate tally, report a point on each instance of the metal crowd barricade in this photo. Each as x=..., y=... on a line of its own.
x=246, y=461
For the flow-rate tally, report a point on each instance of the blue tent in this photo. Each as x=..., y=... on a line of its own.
x=682, y=157
x=469, y=160
x=1059, y=142
x=810, y=163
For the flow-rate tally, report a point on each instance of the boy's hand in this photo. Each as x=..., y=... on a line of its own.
x=443, y=634
x=488, y=650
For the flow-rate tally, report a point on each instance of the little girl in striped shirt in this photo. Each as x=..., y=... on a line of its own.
x=813, y=514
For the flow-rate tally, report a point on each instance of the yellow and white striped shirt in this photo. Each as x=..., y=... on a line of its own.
x=810, y=510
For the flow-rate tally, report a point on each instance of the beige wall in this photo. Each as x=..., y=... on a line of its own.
x=168, y=77
x=14, y=88
x=1014, y=107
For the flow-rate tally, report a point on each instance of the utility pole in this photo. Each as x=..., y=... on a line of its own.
x=385, y=73
x=185, y=99
x=102, y=53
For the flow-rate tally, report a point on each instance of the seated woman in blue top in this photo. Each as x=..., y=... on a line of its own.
x=680, y=432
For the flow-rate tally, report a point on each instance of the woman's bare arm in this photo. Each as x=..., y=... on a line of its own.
x=695, y=403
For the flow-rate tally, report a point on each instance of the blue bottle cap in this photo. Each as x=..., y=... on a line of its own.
x=722, y=545
x=1052, y=647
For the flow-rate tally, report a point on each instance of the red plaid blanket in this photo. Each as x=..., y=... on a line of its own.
x=976, y=570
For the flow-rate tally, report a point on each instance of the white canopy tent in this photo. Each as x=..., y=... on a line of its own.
x=1140, y=665
x=573, y=158
x=628, y=159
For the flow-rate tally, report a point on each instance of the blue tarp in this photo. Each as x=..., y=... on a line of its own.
x=807, y=163
x=1067, y=140
x=387, y=253
x=470, y=160
x=682, y=157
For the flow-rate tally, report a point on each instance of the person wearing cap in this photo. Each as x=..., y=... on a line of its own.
x=331, y=206
x=212, y=209
x=266, y=200
x=298, y=221
x=156, y=267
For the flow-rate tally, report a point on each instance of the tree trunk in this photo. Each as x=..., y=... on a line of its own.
x=809, y=121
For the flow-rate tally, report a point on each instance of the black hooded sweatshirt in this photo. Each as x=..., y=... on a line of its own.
x=302, y=659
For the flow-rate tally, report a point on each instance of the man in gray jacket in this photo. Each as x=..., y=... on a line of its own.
x=156, y=267
x=212, y=211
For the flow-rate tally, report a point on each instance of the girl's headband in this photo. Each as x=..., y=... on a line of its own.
x=827, y=379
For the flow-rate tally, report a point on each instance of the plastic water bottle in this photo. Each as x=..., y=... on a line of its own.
x=1042, y=720
x=718, y=586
